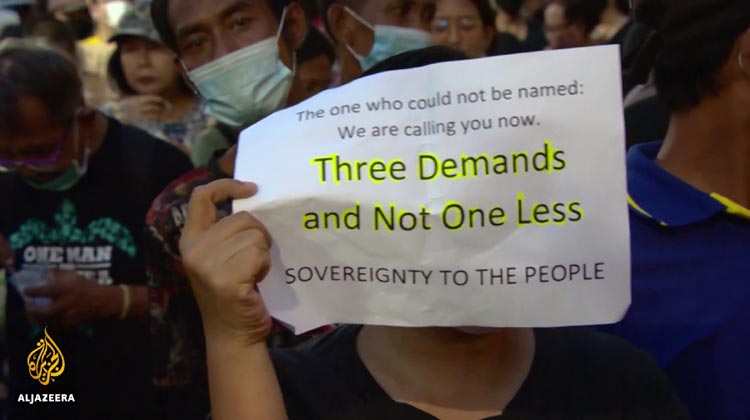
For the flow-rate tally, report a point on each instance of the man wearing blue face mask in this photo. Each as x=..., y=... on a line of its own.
x=240, y=56
x=369, y=31
x=76, y=186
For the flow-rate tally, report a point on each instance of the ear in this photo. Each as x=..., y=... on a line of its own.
x=184, y=74
x=489, y=36
x=295, y=26
x=743, y=44
x=338, y=21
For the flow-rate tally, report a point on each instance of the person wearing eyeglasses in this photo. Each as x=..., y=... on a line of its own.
x=75, y=188
x=469, y=26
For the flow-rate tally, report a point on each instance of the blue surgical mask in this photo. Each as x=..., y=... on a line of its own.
x=62, y=182
x=247, y=85
x=389, y=41
x=70, y=177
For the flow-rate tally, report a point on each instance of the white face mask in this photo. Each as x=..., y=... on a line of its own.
x=247, y=85
x=389, y=41
x=115, y=11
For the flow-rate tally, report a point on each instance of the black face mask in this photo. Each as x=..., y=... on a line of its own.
x=81, y=29
x=511, y=7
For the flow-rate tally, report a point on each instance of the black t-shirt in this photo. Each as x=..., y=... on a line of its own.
x=576, y=374
x=96, y=228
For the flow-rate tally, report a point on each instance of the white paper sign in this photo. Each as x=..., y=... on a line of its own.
x=489, y=192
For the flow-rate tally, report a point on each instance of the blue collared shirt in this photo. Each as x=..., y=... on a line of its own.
x=691, y=287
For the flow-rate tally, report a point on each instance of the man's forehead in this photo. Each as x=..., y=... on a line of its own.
x=187, y=13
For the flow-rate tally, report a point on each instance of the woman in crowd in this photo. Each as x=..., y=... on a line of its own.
x=155, y=97
x=615, y=23
x=469, y=26
x=569, y=23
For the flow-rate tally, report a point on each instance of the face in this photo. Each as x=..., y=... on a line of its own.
x=457, y=24
x=560, y=33
x=49, y=146
x=148, y=66
x=207, y=30
x=313, y=77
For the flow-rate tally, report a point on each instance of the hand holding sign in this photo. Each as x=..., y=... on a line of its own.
x=225, y=261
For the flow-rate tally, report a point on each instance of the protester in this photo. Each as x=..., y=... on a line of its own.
x=376, y=372
x=81, y=185
x=510, y=19
x=369, y=31
x=244, y=75
x=315, y=58
x=56, y=34
x=469, y=26
x=568, y=23
x=614, y=23
x=155, y=97
x=96, y=50
x=690, y=222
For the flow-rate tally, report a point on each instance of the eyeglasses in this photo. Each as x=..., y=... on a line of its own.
x=13, y=165
x=465, y=23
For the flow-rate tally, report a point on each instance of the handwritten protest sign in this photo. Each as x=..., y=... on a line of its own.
x=486, y=193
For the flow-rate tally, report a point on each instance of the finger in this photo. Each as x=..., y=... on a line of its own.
x=241, y=241
x=233, y=225
x=202, y=207
x=252, y=260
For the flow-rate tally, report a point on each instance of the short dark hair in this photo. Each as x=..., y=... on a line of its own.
x=54, y=31
x=160, y=17
x=511, y=7
x=486, y=12
x=698, y=37
x=315, y=45
x=28, y=68
x=117, y=75
x=584, y=12
x=623, y=6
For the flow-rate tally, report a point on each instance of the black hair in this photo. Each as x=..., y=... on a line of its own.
x=117, y=75
x=698, y=38
x=30, y=69
x=52, y=30
x=160, y=18
x=587, y=13
x=511, y=7
x=623, y=6
x=486, y=12
x=315, y=45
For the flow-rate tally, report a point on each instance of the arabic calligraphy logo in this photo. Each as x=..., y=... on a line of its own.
x=46, y=361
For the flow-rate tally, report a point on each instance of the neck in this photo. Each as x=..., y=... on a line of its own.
x=612, y=16
x=709, y=148
x=182, y=104
x=446, y=367
x=103, y=32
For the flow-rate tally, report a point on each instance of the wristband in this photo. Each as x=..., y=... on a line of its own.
x=125, y=301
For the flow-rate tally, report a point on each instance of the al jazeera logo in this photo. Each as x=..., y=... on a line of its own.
x=46, y=363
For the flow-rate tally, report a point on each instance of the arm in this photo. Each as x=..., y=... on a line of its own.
x=224, y=261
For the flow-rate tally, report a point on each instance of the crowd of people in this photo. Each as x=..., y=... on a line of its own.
x=119, y=124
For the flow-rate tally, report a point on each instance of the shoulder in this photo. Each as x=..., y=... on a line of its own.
x=609, y=370
x=175, y=197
